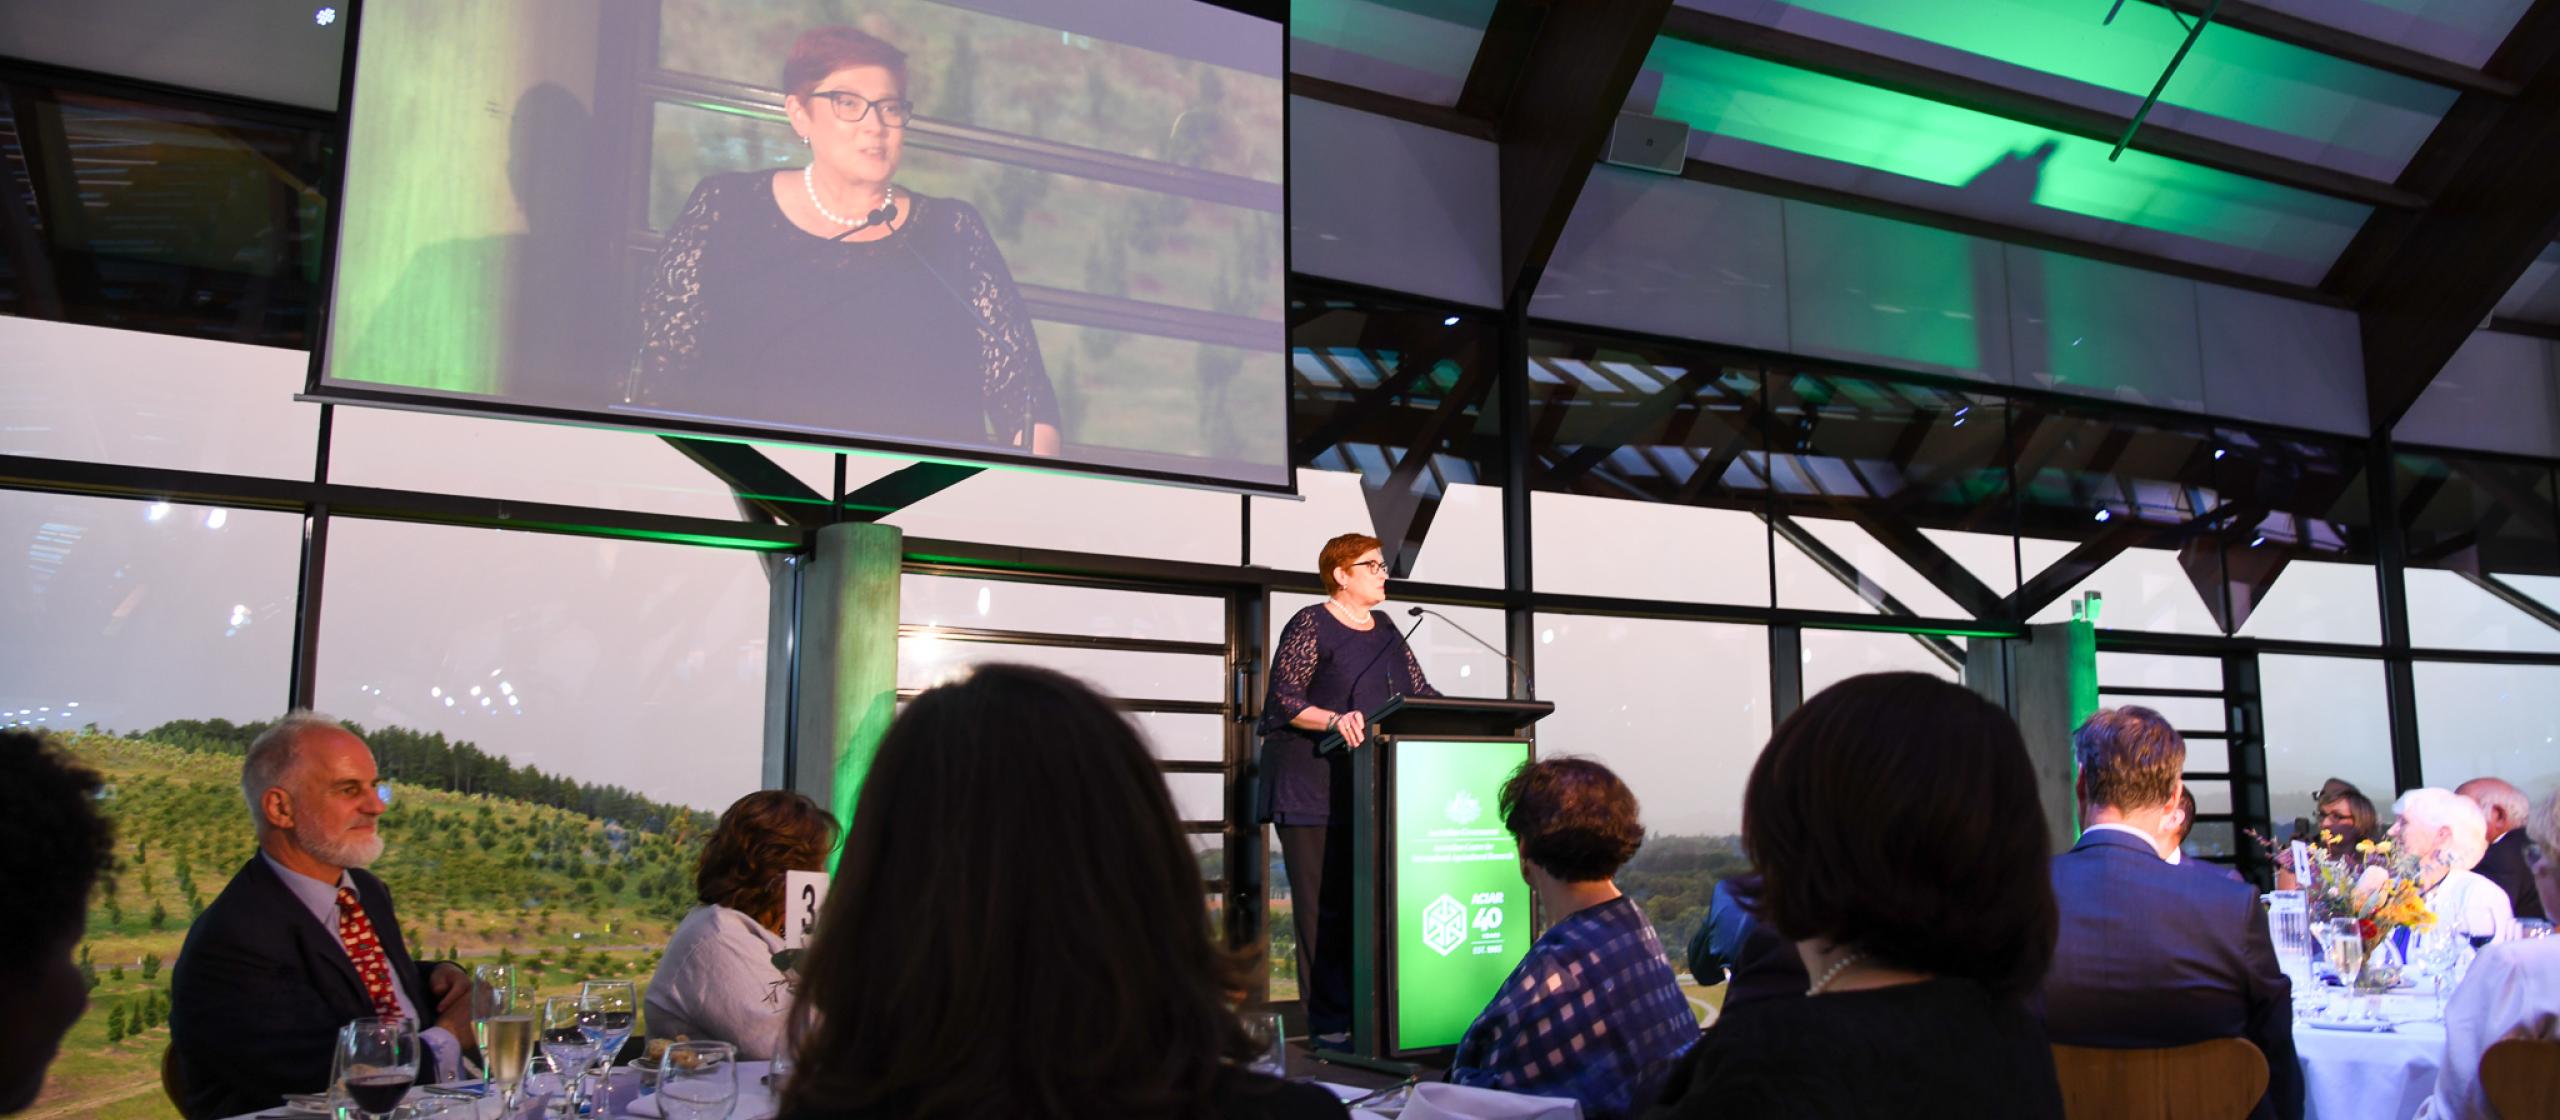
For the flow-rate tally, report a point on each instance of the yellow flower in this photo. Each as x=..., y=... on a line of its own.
x=2364, y=845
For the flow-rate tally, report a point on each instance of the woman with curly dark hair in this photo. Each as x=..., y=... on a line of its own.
x=718, y=980
x=1016, y=930
x=1593, y=1012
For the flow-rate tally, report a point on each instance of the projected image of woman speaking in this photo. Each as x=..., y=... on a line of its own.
x=831, y=294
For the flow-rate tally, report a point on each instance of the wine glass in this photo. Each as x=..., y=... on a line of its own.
x=698, y=1081
x=493, y=993
x=1270, y=1042
x=381, y=1062
x=569, y=1031
x=617, y=1009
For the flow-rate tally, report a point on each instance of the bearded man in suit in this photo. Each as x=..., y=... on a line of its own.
x=303, y=940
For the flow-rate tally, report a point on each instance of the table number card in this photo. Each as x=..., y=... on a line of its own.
x=804, y=894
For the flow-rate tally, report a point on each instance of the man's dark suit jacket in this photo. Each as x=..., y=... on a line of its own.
x=2504, y=865
x=2153, y=954
x=1764, y=964
x=261, y=990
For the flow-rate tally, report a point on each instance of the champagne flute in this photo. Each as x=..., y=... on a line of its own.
x=2346, y=949
x=698, y=1081
x=382, y=1063
x=508, y=1049
x=493, y=993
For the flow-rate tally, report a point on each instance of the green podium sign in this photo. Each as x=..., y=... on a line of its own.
x=1462, y=918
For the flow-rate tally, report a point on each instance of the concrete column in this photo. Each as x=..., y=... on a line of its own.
x=848, y=660
x=2049, y=684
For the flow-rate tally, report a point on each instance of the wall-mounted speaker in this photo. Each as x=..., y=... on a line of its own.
x=1648, y=143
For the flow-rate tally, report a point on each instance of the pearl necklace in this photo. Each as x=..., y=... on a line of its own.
x=887, y=209
x=1833, y=972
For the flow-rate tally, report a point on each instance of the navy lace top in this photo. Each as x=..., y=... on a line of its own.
x=918, y=335
x=1325, y=664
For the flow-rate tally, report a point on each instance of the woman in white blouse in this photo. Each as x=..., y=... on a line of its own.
x=2512, y=990
x=2447, y=831
x=718, y=980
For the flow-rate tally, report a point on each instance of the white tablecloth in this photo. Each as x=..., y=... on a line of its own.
x=2349, y=1075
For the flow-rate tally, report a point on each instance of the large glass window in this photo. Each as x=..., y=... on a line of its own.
x=2123, y=508
x=129, y=614
x=2327, y=717
x=1652, y=475
x=1395, y=416
x=174, y=215
x=2483, y=540
x=1890, y=498
x=1833, y=656
x=1679, y=710
x=133, y=398
x=607, y=663
x=2490, y=721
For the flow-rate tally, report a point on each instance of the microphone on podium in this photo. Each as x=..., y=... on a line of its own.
x=1528, y=684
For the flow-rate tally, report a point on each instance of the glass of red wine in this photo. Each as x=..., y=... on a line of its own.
x=381, y=1061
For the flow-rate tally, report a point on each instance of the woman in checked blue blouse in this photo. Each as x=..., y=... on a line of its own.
x=1594, y=1011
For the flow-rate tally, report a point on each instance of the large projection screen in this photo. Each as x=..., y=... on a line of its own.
x=1038, y=232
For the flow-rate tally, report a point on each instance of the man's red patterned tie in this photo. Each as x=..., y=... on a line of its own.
x=355, y=931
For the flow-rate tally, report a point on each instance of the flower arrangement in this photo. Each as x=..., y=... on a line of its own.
x=2380, y=886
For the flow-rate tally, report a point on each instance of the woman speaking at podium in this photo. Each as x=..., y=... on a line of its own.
x=831, y=296
x=1337, y=660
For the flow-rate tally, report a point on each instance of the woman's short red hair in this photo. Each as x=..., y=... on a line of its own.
x=1339, y=553
x=821, y=51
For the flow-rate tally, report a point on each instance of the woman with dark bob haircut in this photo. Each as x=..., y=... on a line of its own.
x=1016, y=929
x=1895, y=825
x=718, y=980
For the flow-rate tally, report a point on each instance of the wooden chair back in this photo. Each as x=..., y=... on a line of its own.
x=2217, y=1080
x=2521, y=1076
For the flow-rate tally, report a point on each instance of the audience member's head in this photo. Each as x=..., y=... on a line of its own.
x=2350, y=817
x=2334, y=789
x=2503, y=805
x=1574, y=819
x=2439, y=824
x=312, y=789
x=2129, y=759
x=1016, y=926
x=54, y=845
x=2180, y=823
x=761, y=836
x=1896, y=814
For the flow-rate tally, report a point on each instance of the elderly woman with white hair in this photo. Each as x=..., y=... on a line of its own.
x=2448, y=834
x=2512, y=990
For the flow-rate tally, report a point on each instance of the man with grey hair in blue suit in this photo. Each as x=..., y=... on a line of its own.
x=2151, y=954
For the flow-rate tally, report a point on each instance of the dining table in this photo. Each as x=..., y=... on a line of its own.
x=2367, y=1057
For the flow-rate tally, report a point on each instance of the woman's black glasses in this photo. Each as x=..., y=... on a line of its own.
x=850, y=107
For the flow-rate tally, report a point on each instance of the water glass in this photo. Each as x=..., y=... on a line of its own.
x=568, y=1030
x=2289, y=926
x=698, y=1081
x=1270, y=1042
